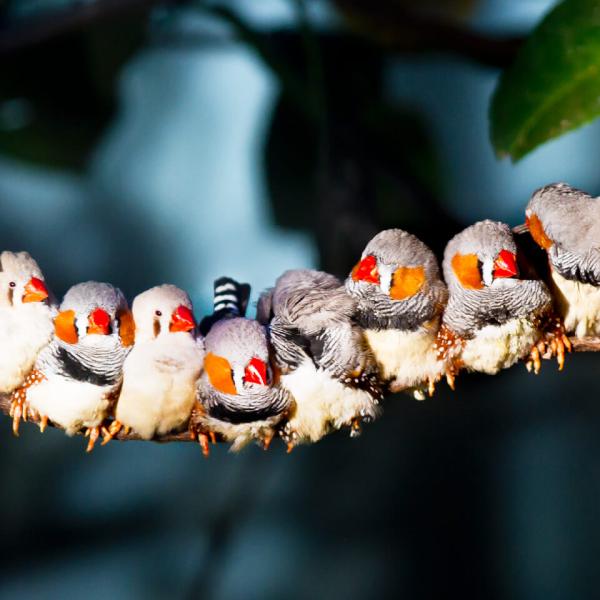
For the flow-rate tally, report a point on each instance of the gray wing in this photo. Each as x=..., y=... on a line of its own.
x=583, y=267
x=264, y=307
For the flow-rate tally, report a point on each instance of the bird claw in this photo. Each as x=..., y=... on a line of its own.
x=267, y=439
x=534, y=360
x=43, y=423
x=114, y=428
x=203, y=441
x=555, y=343
x=451, y=379
x=93, y=433
x=355, y=429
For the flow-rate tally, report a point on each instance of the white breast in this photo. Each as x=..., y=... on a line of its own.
x=24, y=331
x=578, y=304
x=323, y=402
x=159, y=385
x=406, y=358
x=498, y=347
x=71, y=404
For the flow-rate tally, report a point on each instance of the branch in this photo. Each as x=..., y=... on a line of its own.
x=587, y=344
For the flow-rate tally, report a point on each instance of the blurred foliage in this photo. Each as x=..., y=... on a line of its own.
x=554, y=84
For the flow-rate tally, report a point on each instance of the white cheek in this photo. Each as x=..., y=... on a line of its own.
x=385, y=278
x=238, y=379
x=486, y=271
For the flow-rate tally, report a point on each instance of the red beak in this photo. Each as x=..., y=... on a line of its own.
x=505, y=265
x=182, y=319
x=256, y=372
x=99, y=322
x=35, y=291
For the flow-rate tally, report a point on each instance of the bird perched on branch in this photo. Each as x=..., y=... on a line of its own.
x=161, y=371
x=400, y=298
x=76, y=377
x=565, y=222
x=324, y=359
x=493, y=318
x=240, y=399
x=26, y=313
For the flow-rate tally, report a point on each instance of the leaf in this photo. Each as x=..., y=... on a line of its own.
x=554, y=84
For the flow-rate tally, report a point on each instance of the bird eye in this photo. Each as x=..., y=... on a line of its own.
x=158, y=313
x=12, y=284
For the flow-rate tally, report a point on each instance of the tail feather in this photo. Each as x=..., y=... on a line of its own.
x=230, y=300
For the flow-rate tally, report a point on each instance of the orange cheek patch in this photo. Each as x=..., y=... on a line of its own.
x=536, y=229
x=406, y=282
x=219, y=373
x=466, y=269
x=64, y=327
x=126, y=327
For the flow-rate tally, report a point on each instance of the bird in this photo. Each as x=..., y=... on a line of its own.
x=493, y=318
x=565, y=222
x=323, y=357
x=400, y=298
x=76, y=377
x=27, y=309
x=161, y=371
x=239, y=396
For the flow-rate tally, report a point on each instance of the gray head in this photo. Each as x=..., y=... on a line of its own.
x=301, y=279
x=397, y=280
x=563, y=215
x=237, y=356
x=21, y=280
x=92, y=311
x=482, y=255
x=162, y=310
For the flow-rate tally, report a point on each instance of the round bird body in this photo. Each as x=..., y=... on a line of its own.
x=26, y=313
x=565, y=222
x=400, y=298
x=161, y=371
x=239, y=399
x=76, y=376
x=324, y=360
x=493, y=318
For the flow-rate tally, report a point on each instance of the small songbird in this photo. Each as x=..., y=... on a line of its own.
x=565, y=222
x=76, y=377
x=161, y=371
x=322, y=354
x=240, y=399
x=26, y=313
x=493, y=318
x=400, y=299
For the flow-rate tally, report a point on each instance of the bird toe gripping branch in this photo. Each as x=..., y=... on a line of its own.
x=321, y=353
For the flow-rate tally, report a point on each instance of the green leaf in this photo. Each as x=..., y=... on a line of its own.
x=554, y=84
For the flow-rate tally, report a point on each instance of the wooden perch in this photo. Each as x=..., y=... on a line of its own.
x=588, y=344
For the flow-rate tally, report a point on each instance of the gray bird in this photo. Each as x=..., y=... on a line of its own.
x=565, y=222
x=240, y=400
x=322, y=354
x=493, y=318
x=76, y=377
x=400, y=299
x=26, y=312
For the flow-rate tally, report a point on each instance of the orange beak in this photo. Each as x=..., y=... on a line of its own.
x=182, y=319
x=505, y=265
x=35, y=291
x=99, y=322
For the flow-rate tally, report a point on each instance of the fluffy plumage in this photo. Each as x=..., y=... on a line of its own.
x=493, y=318
x=565, y=222
x=400, y=298
x=26, y=312
x=160, y=373
x=322, y=354
x=239, y=398
x=76, y=381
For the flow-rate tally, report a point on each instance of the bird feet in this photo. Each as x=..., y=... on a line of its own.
x=109, y=433
x=554, y=342
x=93, y=433
x=203, y=439
x=19, y=407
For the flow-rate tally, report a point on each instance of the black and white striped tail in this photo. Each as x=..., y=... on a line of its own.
x=230, y=300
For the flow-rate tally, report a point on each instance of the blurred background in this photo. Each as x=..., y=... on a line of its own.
x=144, y=142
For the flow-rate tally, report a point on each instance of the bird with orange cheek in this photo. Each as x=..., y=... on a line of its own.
x=493, y=318
x=400, y=298
x=160, y=372
x=565, y=222
x=239, y=397
x=26, y=313
x=76, y=377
